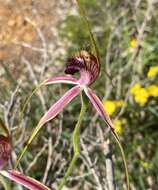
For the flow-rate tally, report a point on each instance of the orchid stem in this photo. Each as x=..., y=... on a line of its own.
x=75, y=139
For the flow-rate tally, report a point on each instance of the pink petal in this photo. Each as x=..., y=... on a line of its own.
x=5, y=150
x=62, y=79
x=99, y=107
x=50, y=114
x=26, y=181
x=60, y=104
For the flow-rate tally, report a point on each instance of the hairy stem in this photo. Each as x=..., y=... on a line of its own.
x=75, y=139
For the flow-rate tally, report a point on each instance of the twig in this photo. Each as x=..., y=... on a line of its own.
x=36, y=157
x=109, y=166
x=33, y=76
x=9, y=105
x=49, y=160
x=90, y=168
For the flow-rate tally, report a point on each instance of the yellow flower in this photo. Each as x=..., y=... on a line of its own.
x=153, y=90
x=141, y=96
x=133, y=43
x=146, y=165
x=152, y=71
x=118, y=126
x=109, y=106
x=120, y=103
x=135, y=88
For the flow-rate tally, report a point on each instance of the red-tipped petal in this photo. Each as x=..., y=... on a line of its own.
x=99, y=107
x=5, y=150
x=26, y=181
x=62, y=79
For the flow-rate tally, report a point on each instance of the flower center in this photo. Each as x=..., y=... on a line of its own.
x=85, y=63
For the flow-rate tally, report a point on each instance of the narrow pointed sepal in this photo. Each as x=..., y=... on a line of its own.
x=60, y=104
x=50, y=114
x=96, y=102
x=26, y=181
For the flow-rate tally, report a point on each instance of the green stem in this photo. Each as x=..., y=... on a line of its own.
x=124, y=160
x=75, y=143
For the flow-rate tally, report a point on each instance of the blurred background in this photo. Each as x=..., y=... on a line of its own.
x=36, y=37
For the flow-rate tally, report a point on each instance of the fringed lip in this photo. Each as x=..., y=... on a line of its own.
x=85, y=63
x=74, y=64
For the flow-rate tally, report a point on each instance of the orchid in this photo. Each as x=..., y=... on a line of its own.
x=88, y=65
x=5, y=154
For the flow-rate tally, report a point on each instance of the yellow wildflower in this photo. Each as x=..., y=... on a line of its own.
x=153, y=90
x=120, y=103
x=133, y=43
x=136, y=88
x=145, y=165
x=141, y=96
x=152, y=71
x=118, y=126
x=109, y=106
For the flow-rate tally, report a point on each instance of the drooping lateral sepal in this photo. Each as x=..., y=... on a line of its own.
x=53, y=111
x=96, y=102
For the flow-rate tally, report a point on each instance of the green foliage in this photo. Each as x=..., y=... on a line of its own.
x=73, y=29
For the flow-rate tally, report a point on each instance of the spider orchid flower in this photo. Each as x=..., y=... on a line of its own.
x=5, y=154
x=89, y=67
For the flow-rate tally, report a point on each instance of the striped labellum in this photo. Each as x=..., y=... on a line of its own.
x=85, y=63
